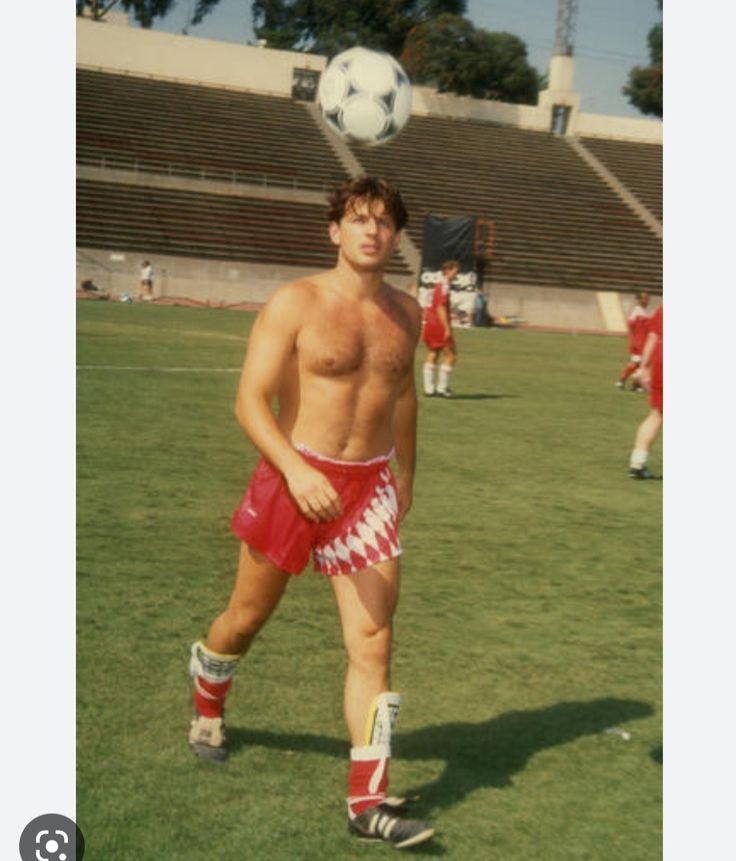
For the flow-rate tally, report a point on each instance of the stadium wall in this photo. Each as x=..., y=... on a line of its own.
x=217, y=282
x=226, y=282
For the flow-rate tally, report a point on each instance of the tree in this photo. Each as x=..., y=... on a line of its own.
x=644, y=89
x=144, y=11
x=449, y=53
x=330, y=26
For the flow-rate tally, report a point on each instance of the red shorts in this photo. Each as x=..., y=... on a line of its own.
x=269, y=520
x=433, y=333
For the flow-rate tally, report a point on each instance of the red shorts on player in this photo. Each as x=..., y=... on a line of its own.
x=433, y=333
x=269, y=520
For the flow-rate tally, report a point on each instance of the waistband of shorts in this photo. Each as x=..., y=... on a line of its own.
x=351, y=466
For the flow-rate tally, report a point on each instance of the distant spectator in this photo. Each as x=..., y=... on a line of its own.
x=651, y=376
x=637, y=321
x=481, y=316
x=437, y=334
x=146, y=279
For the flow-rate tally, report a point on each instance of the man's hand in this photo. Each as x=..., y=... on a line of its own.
x=313, y=493
x=404, y=496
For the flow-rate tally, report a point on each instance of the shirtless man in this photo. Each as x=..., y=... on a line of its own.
x=337, y=352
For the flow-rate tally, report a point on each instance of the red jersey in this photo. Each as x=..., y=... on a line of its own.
x=433, y=334
x=638, y=322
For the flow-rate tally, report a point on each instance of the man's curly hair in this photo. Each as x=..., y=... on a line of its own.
x=367, y=188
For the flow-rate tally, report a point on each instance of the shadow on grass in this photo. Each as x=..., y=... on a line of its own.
x=476, y=755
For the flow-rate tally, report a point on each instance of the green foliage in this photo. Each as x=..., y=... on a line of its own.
x=644, y=88
x=449, y=53
x=330, y=26
x=145, y=12
x=529, y=621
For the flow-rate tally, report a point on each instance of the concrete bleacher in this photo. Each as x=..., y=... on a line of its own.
x=224, y=185
x=159, y=126
x=191, y=224
x=637, y=165
x=558, y=224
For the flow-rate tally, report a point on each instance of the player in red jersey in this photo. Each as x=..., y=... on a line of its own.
x=335, y=351
x=651, y=375
x=437, y=335
x=637, y=322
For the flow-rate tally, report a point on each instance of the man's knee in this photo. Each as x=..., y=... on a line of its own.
x=246, y=618
x=369, y=647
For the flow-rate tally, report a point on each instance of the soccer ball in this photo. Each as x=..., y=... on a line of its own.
x=365, y=96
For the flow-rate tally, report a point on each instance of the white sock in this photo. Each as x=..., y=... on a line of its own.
x=638, y=458
x=428, y=377
x=443, y=378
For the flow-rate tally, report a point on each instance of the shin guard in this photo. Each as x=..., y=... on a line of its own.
x=213, y=675
x=369, y=764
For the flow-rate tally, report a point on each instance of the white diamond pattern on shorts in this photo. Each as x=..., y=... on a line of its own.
x=373, y=538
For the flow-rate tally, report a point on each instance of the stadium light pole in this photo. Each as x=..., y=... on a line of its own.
x=560, y=97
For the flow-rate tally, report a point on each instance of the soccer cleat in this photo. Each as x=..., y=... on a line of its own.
x=376, y=823
x=429, y=394
x=640, y=472
x=207, y=738
x=619, y=384
x=446, y=394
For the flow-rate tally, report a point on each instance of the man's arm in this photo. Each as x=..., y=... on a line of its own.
x=270, y=353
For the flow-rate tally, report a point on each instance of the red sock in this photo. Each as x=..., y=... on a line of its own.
x=209, y=697
x=367, y=783
x=628, y=371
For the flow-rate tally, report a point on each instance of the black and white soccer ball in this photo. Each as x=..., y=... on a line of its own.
x=365, y=96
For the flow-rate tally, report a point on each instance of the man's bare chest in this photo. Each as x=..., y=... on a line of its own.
x=345, y=344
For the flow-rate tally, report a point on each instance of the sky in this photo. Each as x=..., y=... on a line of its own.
x=610, y=38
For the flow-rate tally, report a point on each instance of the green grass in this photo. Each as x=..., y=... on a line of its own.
x=529, y=623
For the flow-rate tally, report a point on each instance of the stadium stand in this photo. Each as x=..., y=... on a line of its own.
x=558, y=224
x=637, y=165
x=158, y=126
x=192, y=224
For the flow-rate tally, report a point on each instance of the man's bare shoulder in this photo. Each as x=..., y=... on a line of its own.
x=406, y=301
x=291, y=300
x=300, y=291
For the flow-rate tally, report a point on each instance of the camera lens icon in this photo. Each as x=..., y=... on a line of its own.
x=53, y=847
x=51, y=837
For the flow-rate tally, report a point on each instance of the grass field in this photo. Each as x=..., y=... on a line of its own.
x=529, y=623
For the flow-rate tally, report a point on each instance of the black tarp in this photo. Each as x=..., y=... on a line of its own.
x=450, y=238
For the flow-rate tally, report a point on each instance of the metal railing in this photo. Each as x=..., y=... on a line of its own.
x=234, y=177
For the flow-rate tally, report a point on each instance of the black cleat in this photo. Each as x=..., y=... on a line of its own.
x=376, y=823
x=640, y=473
